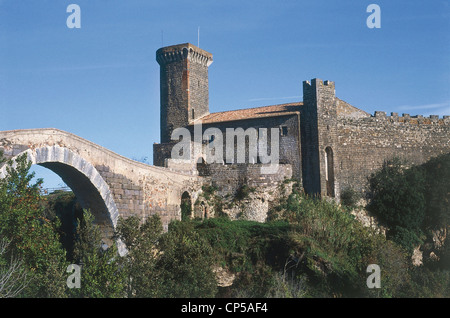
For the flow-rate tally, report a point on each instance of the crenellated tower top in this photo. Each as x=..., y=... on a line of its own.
x=184, y=88
x=179, y=52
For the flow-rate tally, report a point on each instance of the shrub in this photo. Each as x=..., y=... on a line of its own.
x=349, y=197
x=437, y=191
x=398, y=201
x=101, y=275
x=397, y=195
x=243, y=192
x=335, y=249
x=140, y=263
x=186, y=263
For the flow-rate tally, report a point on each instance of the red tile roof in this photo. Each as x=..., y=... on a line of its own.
x=250, y=113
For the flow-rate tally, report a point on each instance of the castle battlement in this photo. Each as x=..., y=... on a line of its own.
x=183, y=86
x=176, y=53
x=316, y=81
x=407, y=118
x=317, y=85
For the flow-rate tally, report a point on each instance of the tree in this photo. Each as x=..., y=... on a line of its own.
x=437, y=191
x=186, y=262
x=13, y=277
x=398, y=201
x=140, y=263
x=101, y=276
x=32, y=237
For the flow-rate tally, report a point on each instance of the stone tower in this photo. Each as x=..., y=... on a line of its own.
x=184, y=86
x=319, y=138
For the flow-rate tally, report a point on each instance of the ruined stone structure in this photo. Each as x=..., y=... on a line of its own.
x=329, y=144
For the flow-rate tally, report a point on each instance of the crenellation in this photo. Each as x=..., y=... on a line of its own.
x=380, y=114
x=404, y=119
x=365, y=143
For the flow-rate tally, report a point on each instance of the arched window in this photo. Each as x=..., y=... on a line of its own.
x=329, y=171
x=186, y=206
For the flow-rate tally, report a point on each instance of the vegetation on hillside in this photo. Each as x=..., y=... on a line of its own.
x=308, y=247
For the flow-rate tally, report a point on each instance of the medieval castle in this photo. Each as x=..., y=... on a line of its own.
x=325, y=143
x=322, y=143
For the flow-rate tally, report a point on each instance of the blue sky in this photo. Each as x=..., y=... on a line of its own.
x=101, y=81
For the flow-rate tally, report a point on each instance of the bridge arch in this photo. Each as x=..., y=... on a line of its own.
x=85, y=181
x=117, y=186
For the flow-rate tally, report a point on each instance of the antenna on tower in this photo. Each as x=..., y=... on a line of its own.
x=198, y=37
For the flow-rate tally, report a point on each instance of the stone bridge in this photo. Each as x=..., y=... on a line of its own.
x=108, y=184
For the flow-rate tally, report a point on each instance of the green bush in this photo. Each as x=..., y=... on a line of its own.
x=398, y=201
x=186, y=263
x=427, y=283
x=177, y=263
x=349, y=197
x=241, y=244
x=101, y=276
x=336, y=249
x=186, y=208
x=437, y=191
x=140, y=263
x=243, y=192
x=398, y=195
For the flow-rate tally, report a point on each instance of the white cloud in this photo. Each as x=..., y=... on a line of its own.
x=440, y=109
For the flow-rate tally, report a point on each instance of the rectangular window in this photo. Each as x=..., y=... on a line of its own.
x=284, y=130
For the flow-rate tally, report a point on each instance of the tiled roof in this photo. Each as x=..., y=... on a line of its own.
x=250, y=113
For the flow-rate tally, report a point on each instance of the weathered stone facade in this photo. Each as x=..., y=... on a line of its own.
x=184, y=86
x=329, y=144
x=366, y=142
x=229, y=178
x=243, y=191
x=103, y=181
x=324, y=143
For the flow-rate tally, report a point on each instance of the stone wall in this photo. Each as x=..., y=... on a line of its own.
x=327, y=133
x=244, y=191
x=342, y=145
x=310, y=139
x=287, y=129
x=198, y=89
x=289, y=143
x=229, y=178
x=365, y=143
